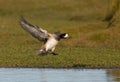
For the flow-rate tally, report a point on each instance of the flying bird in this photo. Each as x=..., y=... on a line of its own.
x=50, y=40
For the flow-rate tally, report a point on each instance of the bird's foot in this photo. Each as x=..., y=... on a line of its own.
x=54, y=53
x=41, y=53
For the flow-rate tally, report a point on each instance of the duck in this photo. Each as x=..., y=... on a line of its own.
x=49, y=40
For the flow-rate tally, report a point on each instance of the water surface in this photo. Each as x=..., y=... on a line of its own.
x=58, y=75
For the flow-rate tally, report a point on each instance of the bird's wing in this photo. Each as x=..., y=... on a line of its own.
x=39, y=33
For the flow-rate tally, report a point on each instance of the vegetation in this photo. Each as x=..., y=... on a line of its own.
x=91, y=45
x=113, y=7
x=112, y=10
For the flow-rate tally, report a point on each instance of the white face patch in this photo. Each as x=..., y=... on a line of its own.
x=66, y=36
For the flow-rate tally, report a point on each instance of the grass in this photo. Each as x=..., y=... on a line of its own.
x=91, y=45
x=68, y=58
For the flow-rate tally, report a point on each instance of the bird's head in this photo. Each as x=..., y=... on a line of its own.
x=64, y=36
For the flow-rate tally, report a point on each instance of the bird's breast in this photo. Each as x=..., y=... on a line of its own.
x=51, y=43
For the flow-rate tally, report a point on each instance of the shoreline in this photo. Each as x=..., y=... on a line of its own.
x=63, y=67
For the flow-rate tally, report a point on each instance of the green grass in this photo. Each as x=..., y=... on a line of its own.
x=91, y=45
x=67, y=58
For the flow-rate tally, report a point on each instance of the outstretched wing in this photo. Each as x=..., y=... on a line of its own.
x=39, y=33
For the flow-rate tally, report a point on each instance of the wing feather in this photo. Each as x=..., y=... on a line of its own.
x=35, y=31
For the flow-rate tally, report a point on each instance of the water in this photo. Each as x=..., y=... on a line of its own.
x=58, y=75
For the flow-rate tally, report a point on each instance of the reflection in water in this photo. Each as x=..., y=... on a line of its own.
x=72, y=75
x=43, y=76
x=58, y=75
x=114, y=75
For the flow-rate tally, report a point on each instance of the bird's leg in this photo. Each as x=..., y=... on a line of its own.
x=52, y=51
x=41, y=52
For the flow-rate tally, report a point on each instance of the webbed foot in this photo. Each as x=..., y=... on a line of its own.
x=41, y=53
x=54, y=53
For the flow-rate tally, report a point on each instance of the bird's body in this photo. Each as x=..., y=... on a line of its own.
x=51, y=43
x=50, y=40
